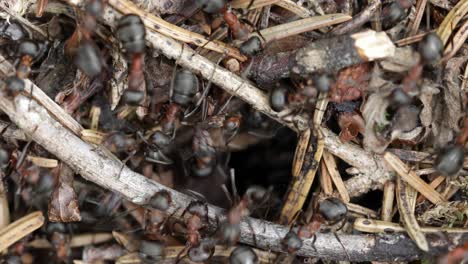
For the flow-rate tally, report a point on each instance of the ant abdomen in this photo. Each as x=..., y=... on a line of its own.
x=185, y=87
x=450, y=160
x=279, y=98
x=332, y=209
x=14, y=85
x=133, y=97
x=431, y=48
x=131, y=33
x=160, y=140
x=292, y=242
x=152, y=250
x=88, y=59
x=243, y=255
x=251, y=47
x=161, y=200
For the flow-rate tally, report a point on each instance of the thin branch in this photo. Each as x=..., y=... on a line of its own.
x=359, y=20
x=94, y=164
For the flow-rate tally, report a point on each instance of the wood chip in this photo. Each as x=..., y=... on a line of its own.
x=19, y=229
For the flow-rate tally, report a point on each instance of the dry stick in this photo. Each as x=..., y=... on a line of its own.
x=359, y=20
x=414, y=24
x=335, y=176
x=4, y=209
x=387, y=201
x=457, y=42
x=93, y=164
x=374, y=172
x=376, y=226
x=451, y=20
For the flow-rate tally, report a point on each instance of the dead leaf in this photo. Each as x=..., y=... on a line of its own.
x=63, y=203
x=351, y=83
x=351, y=124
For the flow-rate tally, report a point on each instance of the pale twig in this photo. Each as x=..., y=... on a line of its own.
x=95, y=165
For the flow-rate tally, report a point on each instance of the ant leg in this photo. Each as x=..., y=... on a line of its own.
x=125, y=162
x=314, y=238
x=23, y=154
x=207, y=89
x=341, y=243
x=182, y=254
x=250, y=4
x=5, y=129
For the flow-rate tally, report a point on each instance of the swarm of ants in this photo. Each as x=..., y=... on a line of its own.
x=171, y=125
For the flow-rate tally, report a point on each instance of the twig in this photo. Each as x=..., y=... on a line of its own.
x=376, y=226
x=451, y=20
x=19, y=229
x=387, y=201
x=416, y=21
x=94, y=165
x=359, y=20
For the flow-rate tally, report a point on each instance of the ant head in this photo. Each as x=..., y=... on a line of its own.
x=229, y=233
x=198, y=208
x=30, y=48
x=279, y=98
x=161, y=200
x=243, y=255
x=152, y=250
x=14, y=84
x=291, y=242
x=185, y=87
x=211, y=6
x=431, y=48
x=88, y=59
x=12, y=30
x=133, y=97
x=232, y=123
x=202, y=252
x=256, y=194
x=450, y=159
x=332, y=209
x=251, y=47
x=131, y=32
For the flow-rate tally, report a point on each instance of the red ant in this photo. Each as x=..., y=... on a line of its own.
x=329, y=211
x=197, y=221
x=131, y=32
x=230, y=229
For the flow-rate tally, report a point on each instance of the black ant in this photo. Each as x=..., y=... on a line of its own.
x=329, y=211
x=184, y=88
x=131, y=33
x=88, y=59
x=12, y=30
x=394, y=13
x=14, y=85
x=449, y=161
x=28, y=52
x=159, y=141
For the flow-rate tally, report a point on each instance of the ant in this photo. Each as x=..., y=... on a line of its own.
x=204, y=152
x=158, y=143
x=329, y=211
x=394, y=13
x=198, y=214
x=230, y=229
x=243, y=255
x=14, y=85
x=183, y=90
x=28, y=52
x=131, y=33
x=250, y=46
x=88, y=59
x=449, y=160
